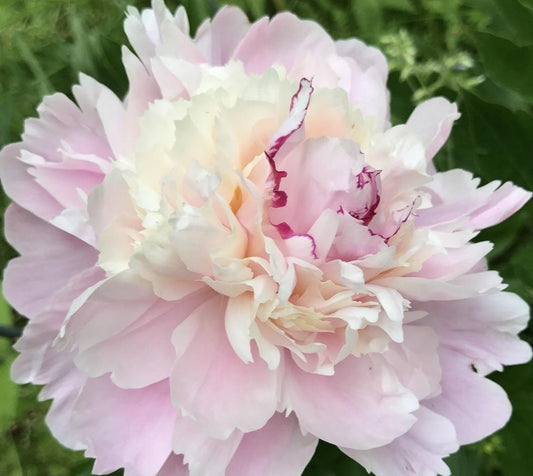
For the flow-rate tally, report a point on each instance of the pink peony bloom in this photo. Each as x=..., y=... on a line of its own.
x=243, y=257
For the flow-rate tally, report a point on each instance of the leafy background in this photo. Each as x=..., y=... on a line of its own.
x=478, y=53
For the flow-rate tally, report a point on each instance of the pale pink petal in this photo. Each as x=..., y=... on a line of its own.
x=205, y=456
x=125, y=428
x=239, y=315
x=363, y=391
x=366, y=90
x=503, y=203
x=22, y=187
x=91, y=322
x=174, y=42
x=60, y=121
x=31, y=280
x=141, y=353
x=432, y=121
x=454, y=194
x=40, y=363
x=53, y=180
x=279, y=448
x=454, y=262
x=465, y=286
x=218, y=39
x=143, y=89
x=64, y=382
x=323, y=174
x=283, y=40
x=246, y=397
x=457, y=194
x=475, y=405
x=174, y=466
x=484, y=329
x=367, y=57
x=138, y=34
x=415, y=361
x=35, y=345
x=86, y=94
x=121, y=129
x=418, y=452
x=181, y=19
x=355, y=241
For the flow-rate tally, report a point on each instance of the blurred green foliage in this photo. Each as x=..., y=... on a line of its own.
x=476, y=52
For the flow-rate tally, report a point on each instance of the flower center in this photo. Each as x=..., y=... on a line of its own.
x=235, y=192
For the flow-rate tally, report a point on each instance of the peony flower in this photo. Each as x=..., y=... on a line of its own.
x=243, y=257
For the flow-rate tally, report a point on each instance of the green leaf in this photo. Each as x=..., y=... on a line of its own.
x=492, y=142
x=517, y=270
x=527, y=3
x=257, y=7
x=505, y=236
x=400, y=5
x=198, y=11
x=369, y=17
x=508, y=19
x=490, y=92
x=8, y=396
x=508, y=65
x=515, y=21
x=10, y=463
x=8, y=389
x=464, y=463
x=328, y=460
x=517, y=435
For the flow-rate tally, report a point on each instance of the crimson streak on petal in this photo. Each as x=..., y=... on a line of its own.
x=293, y=122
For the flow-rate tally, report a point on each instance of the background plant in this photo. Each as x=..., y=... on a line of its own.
x=478, y=53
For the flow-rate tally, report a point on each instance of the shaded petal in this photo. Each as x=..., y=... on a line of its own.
x=35, y=345
x=418, y=452
x=41, y=364
x=142, y=353
x=503, y=203
x=284, y=40
x=106, y=310
x=218, y=39
x=454, y=262
x=204, y=455
x=125, y=428
x=31, y=279
x=474, y=418
x=465, y=286
x=279, y=448
x=366, y=56
x=416, y=361
x=142, y=86
x=484, y=329
x=319, y=174
x=432, y=121
x=174, y=466
x=361, y=406
x=456, y=194
x=246, y=394
x=20, y=186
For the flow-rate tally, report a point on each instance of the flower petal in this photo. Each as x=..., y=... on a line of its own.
x=419, y=451
x=473, y=417
x=31, y=280
x=363, y=391
x=279, y=448
x=205, y=456
x=125, y=428
x=432, y=121
x=246, y=396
